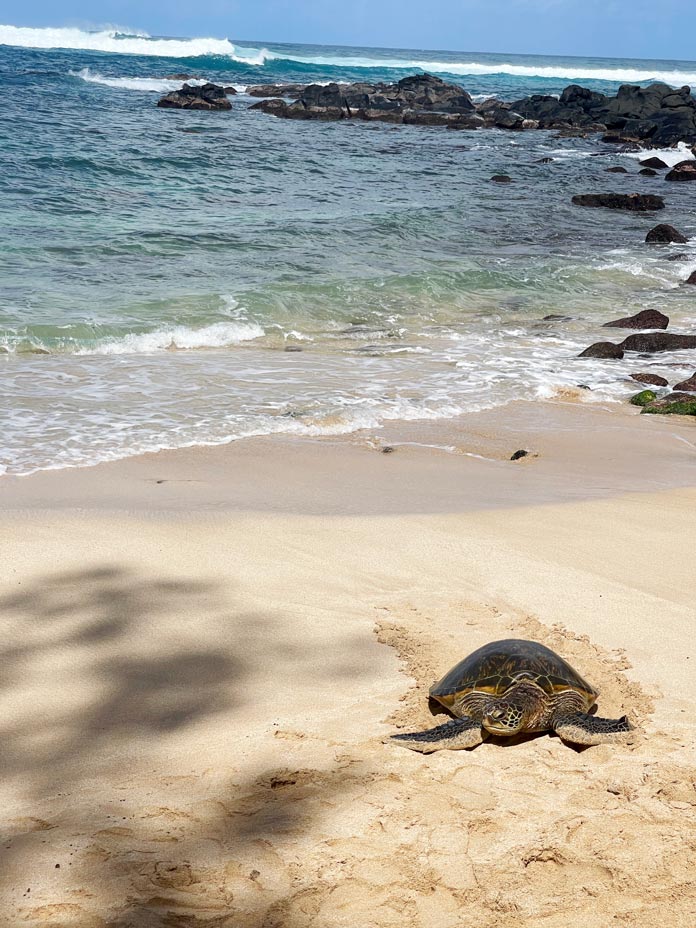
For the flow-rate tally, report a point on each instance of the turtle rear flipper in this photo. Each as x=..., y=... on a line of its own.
x=581, y=728
x=452, y=736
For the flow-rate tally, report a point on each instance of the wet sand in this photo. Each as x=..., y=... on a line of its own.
x=198, y=675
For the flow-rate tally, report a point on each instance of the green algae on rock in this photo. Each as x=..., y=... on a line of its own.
x=675, y=404
x=643, y=398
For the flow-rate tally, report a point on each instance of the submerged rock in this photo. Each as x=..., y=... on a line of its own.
x=636, y=202
x=607, y=350
x=647, y=319
x=205, y=97
x=501, y=179
x=650, y=342
x=653, y=379
x=515, y=456
x=616, y=170
x=648, y=172
x=663, y=234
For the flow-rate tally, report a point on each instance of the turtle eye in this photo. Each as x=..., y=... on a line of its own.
x=496, y=713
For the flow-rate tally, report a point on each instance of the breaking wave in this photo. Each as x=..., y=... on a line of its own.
x=561, y=71
x=148, y=84
x=142, y=44
x=120, y=43
x=167, y=338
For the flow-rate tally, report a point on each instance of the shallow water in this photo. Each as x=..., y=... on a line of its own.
x=157, y=265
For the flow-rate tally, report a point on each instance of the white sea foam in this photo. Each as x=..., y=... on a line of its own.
x=150, y=84
x=670, y=156
x=115, y=42
x=564, y=71
x=219, y=335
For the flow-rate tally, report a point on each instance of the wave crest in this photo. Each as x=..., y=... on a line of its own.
x=118, y=43
x=167, y=338
x=115, y=41
x=147, y=84
x=558, y=71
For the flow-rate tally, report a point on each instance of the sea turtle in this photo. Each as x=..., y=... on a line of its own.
x=510, y=687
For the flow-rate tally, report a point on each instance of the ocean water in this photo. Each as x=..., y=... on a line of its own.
x=176, y=278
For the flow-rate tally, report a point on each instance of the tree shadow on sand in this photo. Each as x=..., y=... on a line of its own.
x=90, y=678
x=81, y=632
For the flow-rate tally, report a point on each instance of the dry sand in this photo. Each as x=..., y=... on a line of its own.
x=193, y=697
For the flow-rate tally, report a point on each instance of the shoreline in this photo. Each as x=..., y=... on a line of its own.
x=576, y=451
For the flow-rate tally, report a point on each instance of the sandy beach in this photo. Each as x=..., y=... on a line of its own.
x=203, y=651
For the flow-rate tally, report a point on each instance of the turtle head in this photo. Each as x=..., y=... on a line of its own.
x=503, y=717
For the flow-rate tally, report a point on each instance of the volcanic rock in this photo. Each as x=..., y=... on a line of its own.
x=637, y=202
x=274, y=106
x=691, y=279
x=205, y=97
x=635, y=116
x=688, y=385
x=276, y=90
x=663, y=234
x=605, y=350
x=675, y=404
x=650, y=342
x=646, y=319
x=656, y=163
x=685, y=170
x=653, y=379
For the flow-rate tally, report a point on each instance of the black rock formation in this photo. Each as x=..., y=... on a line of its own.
x=205, y=97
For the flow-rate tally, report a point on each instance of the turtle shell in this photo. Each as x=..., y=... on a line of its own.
x=496, y=666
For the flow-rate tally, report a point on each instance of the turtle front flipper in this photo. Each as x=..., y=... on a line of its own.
x=452, y=736
x=581, y=728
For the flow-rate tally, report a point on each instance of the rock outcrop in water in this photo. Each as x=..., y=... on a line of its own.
x=204, y=97
x=649, y=342
x=647, y=319
x=685, y=170
x=604, y=351
x=657, y=114
x=419, y=99
x=635, y=202
x=664, y=234
x=653, y=379
x=687, y=386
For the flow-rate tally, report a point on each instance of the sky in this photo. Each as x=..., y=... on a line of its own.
x=601, y=28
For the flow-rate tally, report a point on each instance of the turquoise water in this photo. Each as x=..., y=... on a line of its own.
x=158, y=265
